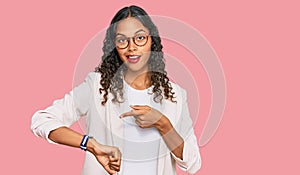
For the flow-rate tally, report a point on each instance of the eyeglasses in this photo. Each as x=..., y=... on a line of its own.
x=122, y=42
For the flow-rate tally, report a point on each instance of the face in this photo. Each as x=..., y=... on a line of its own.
x=136, y=55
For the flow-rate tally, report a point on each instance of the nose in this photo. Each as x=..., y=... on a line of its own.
x=131, y=45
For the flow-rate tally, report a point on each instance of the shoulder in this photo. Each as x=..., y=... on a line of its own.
x=92, y=79
x=93, y=75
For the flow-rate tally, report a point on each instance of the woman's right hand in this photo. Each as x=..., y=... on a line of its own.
x=108, y=156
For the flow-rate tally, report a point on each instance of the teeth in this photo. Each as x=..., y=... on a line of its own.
x=133, y=57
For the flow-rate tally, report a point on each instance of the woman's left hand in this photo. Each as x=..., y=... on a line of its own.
x=145, y=116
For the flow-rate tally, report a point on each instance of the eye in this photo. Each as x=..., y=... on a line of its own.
x=140, y=37
x=121, y=40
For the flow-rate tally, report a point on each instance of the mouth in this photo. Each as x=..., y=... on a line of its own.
x=133, y=58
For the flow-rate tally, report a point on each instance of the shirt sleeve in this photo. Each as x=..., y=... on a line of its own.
x=191, y=161
x=65, y=111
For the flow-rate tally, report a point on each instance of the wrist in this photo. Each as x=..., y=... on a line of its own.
x=163, y=125
x=91, y=145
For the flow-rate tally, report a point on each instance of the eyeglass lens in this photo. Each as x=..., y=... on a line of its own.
x=122, y=41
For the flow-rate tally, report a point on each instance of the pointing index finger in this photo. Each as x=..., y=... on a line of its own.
x=126, y=114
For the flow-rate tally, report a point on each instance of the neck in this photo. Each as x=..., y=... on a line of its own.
x=138, y=80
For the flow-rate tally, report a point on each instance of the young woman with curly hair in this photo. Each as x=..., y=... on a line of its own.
x=137, y=120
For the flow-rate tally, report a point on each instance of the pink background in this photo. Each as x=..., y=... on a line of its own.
x=257, y=43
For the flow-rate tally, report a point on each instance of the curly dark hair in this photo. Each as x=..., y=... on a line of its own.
x=112, y=67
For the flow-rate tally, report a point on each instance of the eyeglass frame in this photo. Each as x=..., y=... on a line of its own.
x=128, y=39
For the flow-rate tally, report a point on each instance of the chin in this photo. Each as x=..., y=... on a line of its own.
x=136, y=68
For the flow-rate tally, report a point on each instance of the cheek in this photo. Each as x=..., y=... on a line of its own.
x=121, y=55
x=147, y=55
x=147, y=48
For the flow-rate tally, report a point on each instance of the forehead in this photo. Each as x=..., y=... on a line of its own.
x=129, y=26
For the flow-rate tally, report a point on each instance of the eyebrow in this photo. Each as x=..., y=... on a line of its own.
x=140, y=30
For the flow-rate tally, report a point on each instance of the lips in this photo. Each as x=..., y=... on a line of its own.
x=133, y=58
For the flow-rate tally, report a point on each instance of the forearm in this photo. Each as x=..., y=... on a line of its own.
x=66, y=136
x=69, y=137
x=172, y=139
x=108, y=156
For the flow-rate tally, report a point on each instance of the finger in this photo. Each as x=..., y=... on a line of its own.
x=115, y=162
x=138, y=122
x=142, y=110
x=115, y=155
x=126, y=114
x=113, y=159
x=141, y=125
x=114, y=167
x=118, y=154
x=137, y=117
x=139, y=107
x=132, y=113
x=109, y=170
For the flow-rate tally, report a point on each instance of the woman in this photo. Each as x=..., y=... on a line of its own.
x=137, y=120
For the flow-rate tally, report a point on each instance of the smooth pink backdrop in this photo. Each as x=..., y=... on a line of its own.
x=258, y=46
